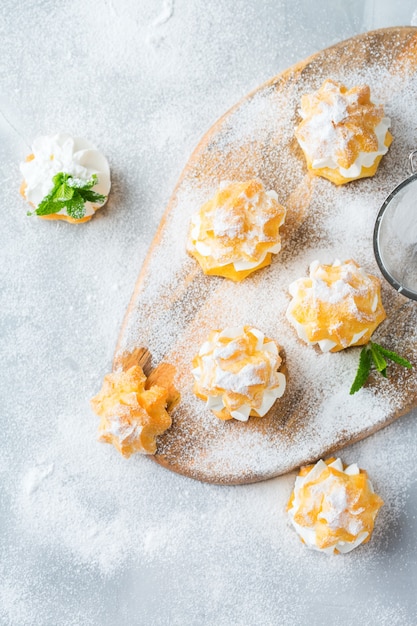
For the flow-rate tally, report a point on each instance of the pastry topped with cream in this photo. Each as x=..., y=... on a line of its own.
x=132, y=416
x=343, y=134
x=336, y=306
x=333, y=508
x=237, y=231
x=65, y=178
x=236, y=373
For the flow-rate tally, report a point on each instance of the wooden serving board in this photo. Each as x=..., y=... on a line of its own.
x=174, y=306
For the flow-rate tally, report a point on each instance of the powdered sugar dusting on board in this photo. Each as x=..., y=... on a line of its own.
x=178, y=306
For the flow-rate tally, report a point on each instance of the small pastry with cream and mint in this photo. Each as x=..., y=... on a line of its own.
x=65, y=178
x=236, y=373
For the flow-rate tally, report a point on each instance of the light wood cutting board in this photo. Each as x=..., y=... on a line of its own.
x=174, y=306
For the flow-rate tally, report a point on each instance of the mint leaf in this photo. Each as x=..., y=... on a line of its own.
x=78, y=183
x=392, y=356
x=92, y=183
x=60, y=181
x=363, y=371
x=91, y=196
x=46, y=206
x=376, y=354
x=64, y=192
x=378, y=359
x=76, y=208
x=69, y=193
x=49, y=205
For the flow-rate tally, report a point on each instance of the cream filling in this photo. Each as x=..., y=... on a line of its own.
x=210, y=355
x=309, y=534
x=63, y=153
x=239, y=265
x=364, y=159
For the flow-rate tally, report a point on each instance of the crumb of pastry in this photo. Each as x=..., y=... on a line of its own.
x=336, y=306
x=236, y=232
x=236, y=373
x=333, y=507
x=132, y=417
x=343, y=134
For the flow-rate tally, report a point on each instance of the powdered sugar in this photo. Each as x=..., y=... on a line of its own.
x=323, y=141
x=36, y=475
x=223, y=225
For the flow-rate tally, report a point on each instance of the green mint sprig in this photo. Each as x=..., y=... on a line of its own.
x=375, y=355
x=71, y=194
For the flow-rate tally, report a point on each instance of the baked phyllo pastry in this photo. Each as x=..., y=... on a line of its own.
x=343, y=134
x=332, y=507
x=236, y=232
x=132, y=417
x=236, y=373
x=336, y=306
x=65, y=178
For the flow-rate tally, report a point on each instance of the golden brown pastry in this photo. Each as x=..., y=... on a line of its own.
x=343, y=134
x=132, y=417
x=332, y=507
x=236, y=373
x=336, y=306
x=236, y=232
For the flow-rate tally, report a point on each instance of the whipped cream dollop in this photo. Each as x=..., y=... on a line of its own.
x=236, y=373
x=52, y=154
x=238, y=232
x=332, y=512
x=337, y=305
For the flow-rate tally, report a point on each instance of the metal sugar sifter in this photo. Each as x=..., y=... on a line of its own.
x=395, y=235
